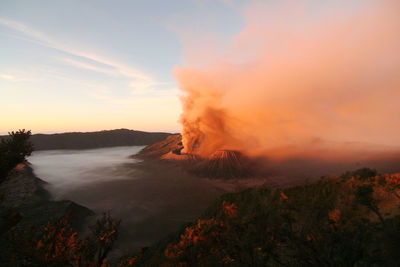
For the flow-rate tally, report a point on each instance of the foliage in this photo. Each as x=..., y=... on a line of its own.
x=105, y=232
x=335, y=222
x=347, y=221
x=57, y=244
x=363, y=173
x=14, y=150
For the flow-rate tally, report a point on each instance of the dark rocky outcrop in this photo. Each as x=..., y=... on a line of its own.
x=24, y=202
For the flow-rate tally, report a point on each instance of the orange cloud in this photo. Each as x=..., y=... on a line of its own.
x=296, y=74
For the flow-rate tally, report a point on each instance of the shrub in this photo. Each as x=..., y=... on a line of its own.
x=14, y=150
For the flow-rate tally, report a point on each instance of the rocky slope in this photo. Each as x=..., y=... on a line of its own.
x=171, y=144
x=25, y=202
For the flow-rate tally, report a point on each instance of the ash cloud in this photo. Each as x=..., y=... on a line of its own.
x=302, y=78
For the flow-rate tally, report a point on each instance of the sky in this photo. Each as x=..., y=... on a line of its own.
x=96, y=65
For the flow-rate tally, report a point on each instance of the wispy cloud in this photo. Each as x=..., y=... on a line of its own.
x=88, y=66
x=8, y=77
x=15, y=25
x=17, y=78
x=140, y=81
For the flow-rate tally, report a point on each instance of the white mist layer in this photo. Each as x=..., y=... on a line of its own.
x=68, y=169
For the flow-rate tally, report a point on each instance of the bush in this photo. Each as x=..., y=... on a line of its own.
x=58, y=244
x=328, y=223
x=14, y=150
x=363, y=174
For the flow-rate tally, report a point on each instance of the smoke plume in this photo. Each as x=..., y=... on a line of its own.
x=300, y=78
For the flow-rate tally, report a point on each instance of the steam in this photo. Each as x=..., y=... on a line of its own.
x=299, y=78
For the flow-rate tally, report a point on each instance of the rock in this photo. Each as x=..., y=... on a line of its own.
x=22, y=187
x=24, y=202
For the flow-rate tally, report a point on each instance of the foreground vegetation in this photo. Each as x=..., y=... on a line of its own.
x=351, y=220
x=13, y=150
x=58, y=244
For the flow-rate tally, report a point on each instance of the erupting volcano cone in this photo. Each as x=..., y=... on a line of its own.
x=225, y=164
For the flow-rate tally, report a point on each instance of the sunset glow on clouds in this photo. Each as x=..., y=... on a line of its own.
x=86, y=66
x=301, y=77
x=94, y=65
x=73, y=89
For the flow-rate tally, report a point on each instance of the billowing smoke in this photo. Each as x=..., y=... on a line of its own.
x=299, y=78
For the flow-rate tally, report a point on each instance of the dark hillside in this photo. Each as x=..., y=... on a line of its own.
x=88, y=140
x=348, y=221
x=23, y=192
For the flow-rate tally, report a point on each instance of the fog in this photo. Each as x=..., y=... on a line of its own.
x=66, y=170
x=152, y=198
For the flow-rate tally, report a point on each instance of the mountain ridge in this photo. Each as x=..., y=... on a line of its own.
x=97, y=139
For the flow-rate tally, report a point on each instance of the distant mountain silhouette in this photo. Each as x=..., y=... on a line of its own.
x=88, y=140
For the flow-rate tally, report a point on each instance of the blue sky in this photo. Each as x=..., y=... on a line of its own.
x=93, y=65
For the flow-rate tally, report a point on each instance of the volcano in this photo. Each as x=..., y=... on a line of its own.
x=171, y=144
x=225, y=164
x=222, y=164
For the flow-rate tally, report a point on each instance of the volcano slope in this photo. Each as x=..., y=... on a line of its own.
x=171, y=144
x=223, y=164
x=235, y=165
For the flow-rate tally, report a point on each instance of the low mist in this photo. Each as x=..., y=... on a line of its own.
x=153, y=199
x=66, y=170
x=300, y=79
